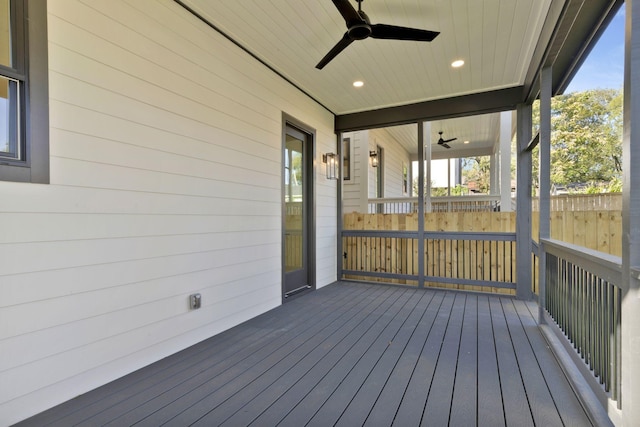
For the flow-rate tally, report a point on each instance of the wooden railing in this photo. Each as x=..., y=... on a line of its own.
x=460, y=250
x=479, y=203
x=485, y=203
x=462, y=260
x=583, y=297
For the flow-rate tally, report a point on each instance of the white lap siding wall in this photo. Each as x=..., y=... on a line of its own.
x=362, y=185
x=166, y=165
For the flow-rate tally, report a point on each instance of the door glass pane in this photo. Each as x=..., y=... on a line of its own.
x=5, y=34
x=294, y=249
x=9, y=118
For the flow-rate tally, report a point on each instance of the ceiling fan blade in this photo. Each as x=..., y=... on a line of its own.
x=348, y=12
x=449, y=140
x=392, y=32
x=445, y=145
x=339, y=47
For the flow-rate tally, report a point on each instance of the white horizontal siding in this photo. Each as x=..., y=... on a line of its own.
x=165, y=180
x=357, y=187
x=393, y=158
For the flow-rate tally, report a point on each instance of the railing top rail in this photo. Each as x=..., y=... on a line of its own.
x=605, y=266
x=472, y=197
x=582, y=195
x=451, y=235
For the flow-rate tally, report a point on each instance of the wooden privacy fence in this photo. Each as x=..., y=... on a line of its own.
x=583, y=202
x=597, y=230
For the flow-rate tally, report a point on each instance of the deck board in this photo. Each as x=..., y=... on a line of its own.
x=567, y=404
x=514, y=396
x=350, y=354
x=360, y=406
x=414, y=400
x=465, y=392
x=490, y=410
x=439, y=401
x=543, y=408
x=385, y=408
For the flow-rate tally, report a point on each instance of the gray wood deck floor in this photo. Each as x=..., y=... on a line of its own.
x=348, y=355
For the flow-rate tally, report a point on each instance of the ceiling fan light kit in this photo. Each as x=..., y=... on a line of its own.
x=359, y=27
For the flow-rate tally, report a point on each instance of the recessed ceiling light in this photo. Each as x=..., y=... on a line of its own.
x=457, y=63
x=466, y=142
x=358, y=83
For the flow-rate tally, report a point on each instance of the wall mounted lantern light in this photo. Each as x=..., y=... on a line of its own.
x=330, y=161
x=374, y=158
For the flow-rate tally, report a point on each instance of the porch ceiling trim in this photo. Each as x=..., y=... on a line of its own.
x=458, y=106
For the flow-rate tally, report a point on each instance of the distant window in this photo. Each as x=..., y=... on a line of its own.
x=24, y=126
x=346, y=159
x=405, y=179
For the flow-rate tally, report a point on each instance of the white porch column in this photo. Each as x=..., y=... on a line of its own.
x=546, y=80
x=631, y=220
x=426, y=144
x=494, y=167
x=523, y=204
x=505, y=161
x=424, y=153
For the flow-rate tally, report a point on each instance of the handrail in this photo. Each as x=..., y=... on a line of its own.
x=475, y=198
x=583, y=295
x=465, y=258
x=498, y=236
x=470, y=203
x=603, y=265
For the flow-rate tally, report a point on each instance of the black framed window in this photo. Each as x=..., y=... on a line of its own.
x=24, y=124
x=346, y=159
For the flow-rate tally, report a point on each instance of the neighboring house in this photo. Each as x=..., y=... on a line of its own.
x=159, y=175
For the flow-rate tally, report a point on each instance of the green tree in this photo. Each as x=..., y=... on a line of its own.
x=478, y=170
x=586, y=137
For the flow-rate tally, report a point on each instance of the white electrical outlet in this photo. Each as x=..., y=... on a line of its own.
x=195, y=301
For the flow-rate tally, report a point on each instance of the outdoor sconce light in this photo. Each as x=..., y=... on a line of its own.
x=374, y=158
x=329, y=160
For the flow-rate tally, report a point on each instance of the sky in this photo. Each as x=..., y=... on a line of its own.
x=604, y=67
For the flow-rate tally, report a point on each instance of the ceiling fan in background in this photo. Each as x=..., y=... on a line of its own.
x=444, y=142
x=359, y=27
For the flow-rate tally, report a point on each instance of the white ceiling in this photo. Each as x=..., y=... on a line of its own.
x=502, y=42
x=482, y=133
x=495, y=38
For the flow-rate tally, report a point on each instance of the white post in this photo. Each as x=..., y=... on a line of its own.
x=505, y=161
x=494, y=167
x=362, y=154
x=426, y=144
x=630, y=394
x=448, y=177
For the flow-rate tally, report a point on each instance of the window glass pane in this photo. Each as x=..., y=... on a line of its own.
x=9, y=146
x=5, y=34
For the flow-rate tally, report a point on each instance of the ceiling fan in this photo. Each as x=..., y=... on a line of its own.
x=444, y=142
x=359, y=27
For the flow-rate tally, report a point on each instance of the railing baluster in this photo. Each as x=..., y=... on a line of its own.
x=587, y=307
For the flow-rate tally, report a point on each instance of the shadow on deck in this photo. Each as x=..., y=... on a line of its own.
x=351, y=354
